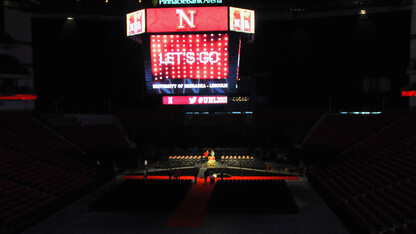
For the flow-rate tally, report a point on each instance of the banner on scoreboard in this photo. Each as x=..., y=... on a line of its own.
x=194, y=100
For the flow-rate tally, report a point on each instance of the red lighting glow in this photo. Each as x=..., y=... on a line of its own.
x=22, y=97
x=411, y=93
x=191, y=56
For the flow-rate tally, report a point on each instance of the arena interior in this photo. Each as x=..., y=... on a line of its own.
x=293, y=116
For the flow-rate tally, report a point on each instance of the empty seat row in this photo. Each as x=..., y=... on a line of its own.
x=18, y=202
x=183, y=157
x=235, y=157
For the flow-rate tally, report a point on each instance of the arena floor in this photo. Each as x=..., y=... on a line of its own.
x=313, y=216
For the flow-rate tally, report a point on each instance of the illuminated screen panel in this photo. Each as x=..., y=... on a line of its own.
x=192, y=63
x=200, y=56
x=242, y=20
x=187, y=19
x=194, y=100
x=136, y=22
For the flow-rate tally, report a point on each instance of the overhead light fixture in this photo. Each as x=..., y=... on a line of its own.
x=297, y=10
x=70, y=18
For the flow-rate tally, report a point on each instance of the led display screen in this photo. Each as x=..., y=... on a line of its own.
x=242, y=20
x=188, y=19
x=189, y=56
x=194, y=100
x=192, y=63
x=136, y=22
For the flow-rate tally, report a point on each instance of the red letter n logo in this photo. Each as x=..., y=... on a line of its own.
x=185, y=17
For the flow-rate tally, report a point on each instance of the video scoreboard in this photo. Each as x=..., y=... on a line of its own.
x=192, y=51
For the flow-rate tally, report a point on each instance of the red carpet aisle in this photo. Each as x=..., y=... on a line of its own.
x=192, y=211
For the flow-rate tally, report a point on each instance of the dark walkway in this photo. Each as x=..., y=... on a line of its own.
x=313, y=217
